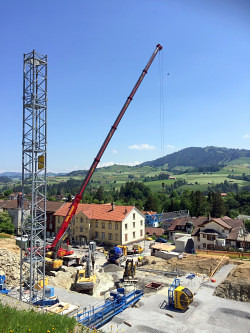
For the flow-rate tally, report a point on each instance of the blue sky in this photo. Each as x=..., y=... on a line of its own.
x=97, y=50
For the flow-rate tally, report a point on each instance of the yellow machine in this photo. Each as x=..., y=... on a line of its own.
x=136, y=249
x=124, y=249
x=85, y=278
x=179, y=297
x=84, y=282
x=53, y=264
x=129, y=271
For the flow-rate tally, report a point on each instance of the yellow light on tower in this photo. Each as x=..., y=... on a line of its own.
x=41, y=162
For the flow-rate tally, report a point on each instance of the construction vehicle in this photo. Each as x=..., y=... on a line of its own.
x=85, y=280
x=118, y=301
x=55, y=248
x=3, y=289
x=117, y=254
x=136, y=249
x=129, y=271
x=179, y=297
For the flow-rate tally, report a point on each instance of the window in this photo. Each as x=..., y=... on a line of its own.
x=50, y=226
x=81, y=220
x=133, y=216
x=96, y=224
x=126, y=237
x=198, y=238
x=211, y=237
x=134, y=234
x=103, y=225
x=110, y=225
x=116, y=237
x=126, y=226
x=141, y=222
x=110, y=236
x=204, y=245
x=141, y=232
x=116, y=226
x=103, y=235
x=133, y=224
x=203, y=235
x=96, y=234
x=81, y=228
x=210, y=246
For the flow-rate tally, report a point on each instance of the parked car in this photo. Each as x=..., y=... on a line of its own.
x=148, y=238
x=161, y=240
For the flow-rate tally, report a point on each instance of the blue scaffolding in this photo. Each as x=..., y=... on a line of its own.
x=171, y=289
x=116, y=303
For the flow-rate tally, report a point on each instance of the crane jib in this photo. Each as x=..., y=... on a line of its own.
x=78, y=197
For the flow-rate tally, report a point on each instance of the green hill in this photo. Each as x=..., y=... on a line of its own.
x=196, y=158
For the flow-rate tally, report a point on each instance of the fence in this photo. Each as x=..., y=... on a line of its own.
x=222, y=253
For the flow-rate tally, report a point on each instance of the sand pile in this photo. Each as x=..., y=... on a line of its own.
x=10, y=267
x=9, y=244
x=237, y=284
x=192, y=263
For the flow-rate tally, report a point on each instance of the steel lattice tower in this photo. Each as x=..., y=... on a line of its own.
x=34, y=178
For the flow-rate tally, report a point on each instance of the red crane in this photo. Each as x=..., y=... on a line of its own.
x=63, y=231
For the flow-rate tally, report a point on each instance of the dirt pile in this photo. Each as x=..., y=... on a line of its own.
x=192, y=263
x=237, y=284
x=10, y=245
x=10, y=267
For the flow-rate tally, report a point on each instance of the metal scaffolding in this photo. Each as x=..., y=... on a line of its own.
x=34, y=177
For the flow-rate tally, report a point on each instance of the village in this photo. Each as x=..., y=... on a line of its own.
x=183, y=248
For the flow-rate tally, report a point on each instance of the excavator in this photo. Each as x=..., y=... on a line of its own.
x=85, y=279
x=54, y=252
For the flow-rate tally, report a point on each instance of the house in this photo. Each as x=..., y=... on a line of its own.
x=14, y=208
x=217, y=233
x=184, y=225
x=151, y=231
x=106, y=223
x=51, y=208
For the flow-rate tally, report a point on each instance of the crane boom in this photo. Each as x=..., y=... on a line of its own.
x=62, y=232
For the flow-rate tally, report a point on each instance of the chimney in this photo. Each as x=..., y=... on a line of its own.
x=19, y=200
x=208, y=217
x=113, y=205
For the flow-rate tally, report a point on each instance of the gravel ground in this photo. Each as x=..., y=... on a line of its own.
x=207, y=313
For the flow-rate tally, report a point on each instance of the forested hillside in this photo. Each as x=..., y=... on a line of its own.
x=209, y=158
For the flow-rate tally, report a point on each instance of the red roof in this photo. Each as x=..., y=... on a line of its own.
x=220, y=222
x=154, y=231
x=98, y=211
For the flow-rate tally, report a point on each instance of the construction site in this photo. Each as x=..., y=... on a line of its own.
x=122, y=289
x=220, y=290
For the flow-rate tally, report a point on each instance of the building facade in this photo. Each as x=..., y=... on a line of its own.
x=104, y=223
x=217, y=233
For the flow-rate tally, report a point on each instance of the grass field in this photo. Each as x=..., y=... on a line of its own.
x=116, y=175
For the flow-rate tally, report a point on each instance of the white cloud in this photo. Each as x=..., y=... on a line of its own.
x=106, y=164
x=246, y=136
x=171, y=147
x=143, y=146
x=114, y=151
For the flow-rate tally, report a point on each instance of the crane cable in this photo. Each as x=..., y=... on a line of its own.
x=162, y=111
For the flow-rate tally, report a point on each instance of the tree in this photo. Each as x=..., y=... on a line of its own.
x=6, y=224
x=218, y=207
x=150, y=204
x=247, y=225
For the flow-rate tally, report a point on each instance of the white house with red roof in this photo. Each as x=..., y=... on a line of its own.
x=216, y=232
x=105, y=223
